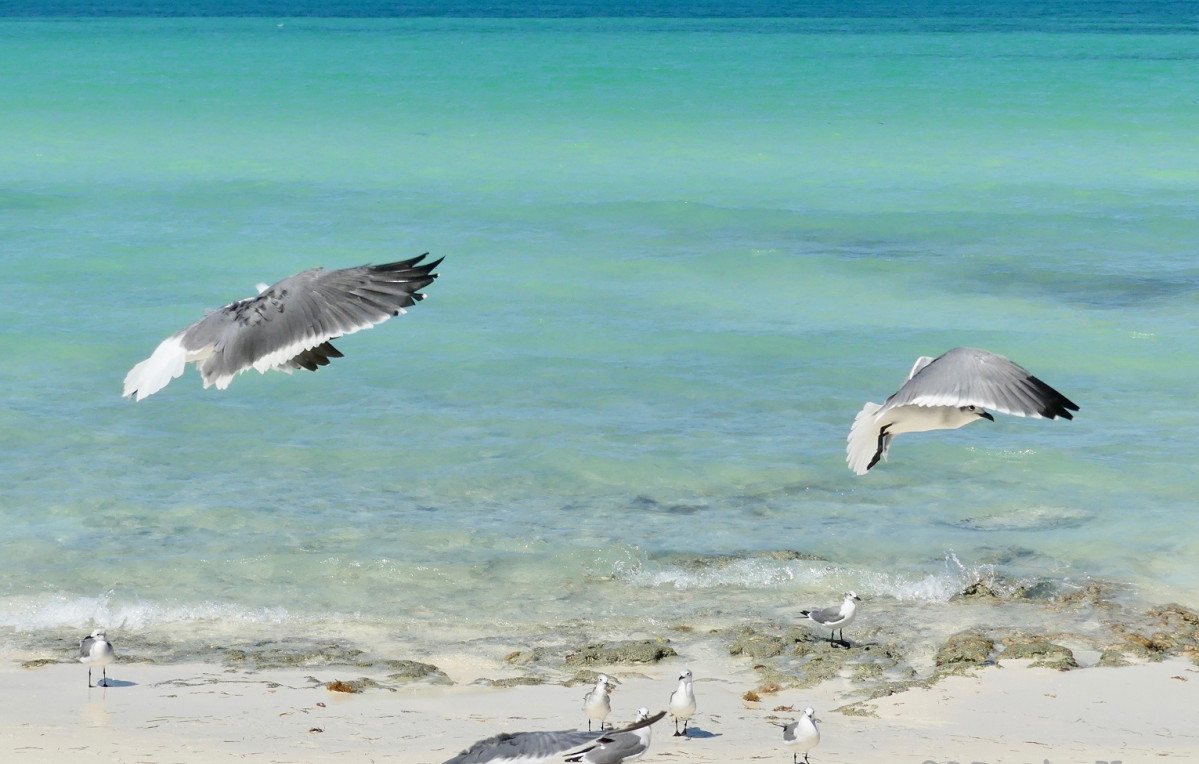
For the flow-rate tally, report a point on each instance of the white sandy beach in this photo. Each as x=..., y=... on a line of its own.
x=203, y=713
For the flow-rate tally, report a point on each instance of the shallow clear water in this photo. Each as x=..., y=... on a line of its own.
x=680, y=255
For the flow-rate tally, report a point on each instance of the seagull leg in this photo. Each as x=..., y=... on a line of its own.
x=104, y=681
x=89, y=677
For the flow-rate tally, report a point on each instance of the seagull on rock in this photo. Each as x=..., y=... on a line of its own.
x=287, y=326
x=949, y=392
x=836, y=617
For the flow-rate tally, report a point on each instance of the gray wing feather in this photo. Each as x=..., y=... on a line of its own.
x=530, y=747
x=281, y=326
x=825, y=615
x=85, y=647
x=612, y=749
x=973, y=377
x=525, y=746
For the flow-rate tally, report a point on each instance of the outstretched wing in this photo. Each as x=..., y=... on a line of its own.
x=287, y=326
x=973, y=377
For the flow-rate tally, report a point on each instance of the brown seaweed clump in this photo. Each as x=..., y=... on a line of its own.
x=339, y=686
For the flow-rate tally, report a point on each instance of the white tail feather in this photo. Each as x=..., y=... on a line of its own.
x=153, y=374
x=862, y=443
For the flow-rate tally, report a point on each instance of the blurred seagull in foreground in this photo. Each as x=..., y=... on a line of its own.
x=801, y=736
x=541, y=747
x=596, y=704
x=836, y=617
x=682, y=703
x=96, y=650
x=949, y=392
x=287, y=326
x=617, y=748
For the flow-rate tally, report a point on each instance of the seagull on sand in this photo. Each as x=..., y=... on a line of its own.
x=682, y=703
x=96, y=650
x=596, y=704
x=801, y=736
x=616, y=749
x=542, y=747
x=949, y=392
x=836, y=617
x=287, y=326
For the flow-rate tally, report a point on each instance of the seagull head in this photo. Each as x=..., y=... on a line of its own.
x=685, y=676
x=810, y=713
x=979, y=412
x=852, y=596
x=100, y=634
x=642, y=714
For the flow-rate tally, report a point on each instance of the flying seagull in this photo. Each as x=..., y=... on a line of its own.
x=949, y=392
x=836, y=617
x=541, y=747
x=96, y=650
x=287, y=326
x=596, y=704
x=617, y=748
x=682, y=703
x=801, y=736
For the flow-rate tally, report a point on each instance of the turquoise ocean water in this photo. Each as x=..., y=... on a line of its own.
x=681, y=253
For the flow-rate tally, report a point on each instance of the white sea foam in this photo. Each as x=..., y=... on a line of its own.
x=35, y=613
x=816, y=576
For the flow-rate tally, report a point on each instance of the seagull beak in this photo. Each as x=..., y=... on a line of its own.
x=987, y=415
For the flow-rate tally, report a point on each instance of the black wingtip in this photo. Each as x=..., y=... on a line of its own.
x=1055, y=405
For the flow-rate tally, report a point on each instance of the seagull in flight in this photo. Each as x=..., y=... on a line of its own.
x=287, y=326
x=96, y=650
x=542, y=747
x=617, y=748
x=836, y=617
x=949, y=392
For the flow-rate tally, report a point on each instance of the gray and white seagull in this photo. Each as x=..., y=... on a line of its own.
x=617, y=748
x=801, y=736
x=96, y=650
x=287, y=326
x=565, y=745
x=949, y=392
x=835, y=617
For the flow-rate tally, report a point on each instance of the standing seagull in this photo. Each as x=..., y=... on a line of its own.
x=541, y=747
x=287, y=326
x=682, y=703
x=616, y=749
x=801, y=736
x=596, y=704
x=96, y=650
x=837, y=617
x=949, y=392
